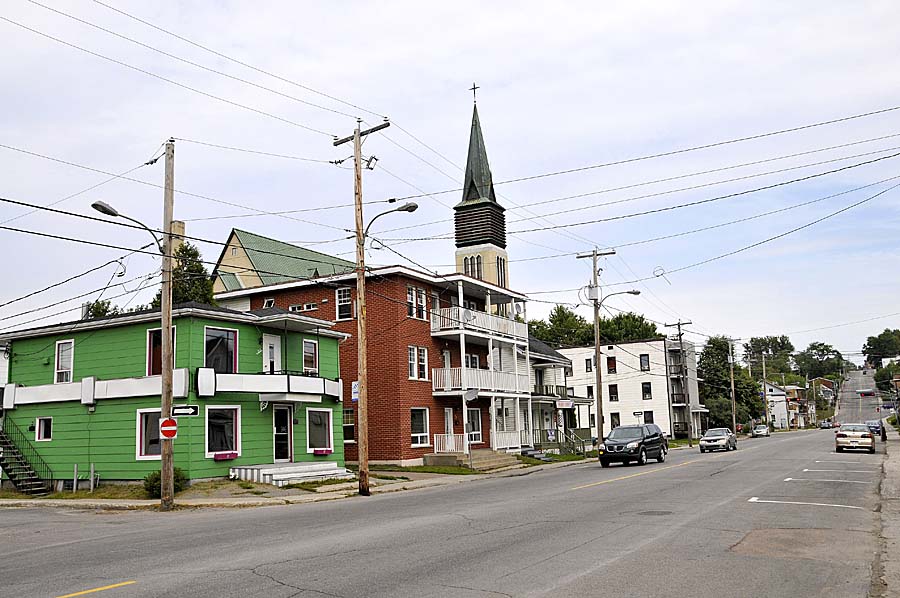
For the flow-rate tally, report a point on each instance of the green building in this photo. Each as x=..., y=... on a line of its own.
x=264, y=386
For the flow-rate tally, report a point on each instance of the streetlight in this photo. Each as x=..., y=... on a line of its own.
x=167, y=458
x=598, y=303
x=361, y=341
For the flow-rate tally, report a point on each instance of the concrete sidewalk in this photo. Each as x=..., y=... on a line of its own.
x=245, y=502
x=890, y=516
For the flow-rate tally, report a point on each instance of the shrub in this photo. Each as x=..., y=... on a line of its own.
x=152, y=482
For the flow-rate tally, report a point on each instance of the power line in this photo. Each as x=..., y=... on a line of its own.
x=250, y=151
x=236, y=61
x=181, y=192
x=59, y=284
x=167, y=80
x=713, y=199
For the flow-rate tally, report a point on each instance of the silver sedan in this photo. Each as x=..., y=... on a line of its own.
x=721, y=439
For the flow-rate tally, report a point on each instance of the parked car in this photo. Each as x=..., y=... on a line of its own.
x=825, y=425
x=874, y=426
x=760, y=430
x=636, y=443
x=854, y=436
x=718, y=439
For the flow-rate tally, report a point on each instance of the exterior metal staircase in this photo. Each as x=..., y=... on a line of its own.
x=21, y=463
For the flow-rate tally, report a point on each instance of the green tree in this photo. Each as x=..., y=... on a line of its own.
x=564, y=328
x=100, y=309
x=886, y=344
x=715, y=386
x=628, y=327
x=883, y=376
x=777, y=350
x=190, y=279
x=818, y=359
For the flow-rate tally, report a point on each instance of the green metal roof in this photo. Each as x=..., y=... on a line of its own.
x=230, y=280
x=277, y=261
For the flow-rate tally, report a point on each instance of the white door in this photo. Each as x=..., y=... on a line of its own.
x=448, y=430
x=271, y=353
x=446, y=356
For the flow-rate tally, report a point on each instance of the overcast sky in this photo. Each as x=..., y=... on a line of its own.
x=560, y=88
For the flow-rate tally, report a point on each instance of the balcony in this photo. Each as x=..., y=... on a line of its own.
x=455, y=319
x=676, y=370
x=450, y=380
x=544, y=390
x=678, y=398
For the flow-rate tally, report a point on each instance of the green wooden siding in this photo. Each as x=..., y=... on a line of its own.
x=108, y=437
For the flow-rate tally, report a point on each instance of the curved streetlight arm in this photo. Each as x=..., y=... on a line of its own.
x=159, y=245
x=632, y=292
x=407, y=207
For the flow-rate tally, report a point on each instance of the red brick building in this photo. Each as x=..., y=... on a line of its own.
x=433, y=340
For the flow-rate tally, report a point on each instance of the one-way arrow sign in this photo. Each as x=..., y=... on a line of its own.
x=185, y=410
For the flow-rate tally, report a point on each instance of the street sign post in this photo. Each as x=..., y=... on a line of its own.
x=168, y=428
x=185, y=410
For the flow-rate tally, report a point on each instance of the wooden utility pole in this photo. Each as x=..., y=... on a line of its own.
x=765, y=390
x=167, y=452
x=733, y=401
x=361, y=341
x=684, y=378
x=595, y=297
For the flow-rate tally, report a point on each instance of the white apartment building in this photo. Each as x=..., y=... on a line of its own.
x=642, y=383
x=778, y=405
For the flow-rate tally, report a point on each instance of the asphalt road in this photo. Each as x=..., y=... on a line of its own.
x=782, y=516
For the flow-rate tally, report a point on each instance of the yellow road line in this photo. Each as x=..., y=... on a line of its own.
x=634, y=475
x=110, y=587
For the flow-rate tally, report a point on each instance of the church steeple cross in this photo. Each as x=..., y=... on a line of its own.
x=474, y=89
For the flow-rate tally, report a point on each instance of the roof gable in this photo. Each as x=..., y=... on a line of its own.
x=277, y=261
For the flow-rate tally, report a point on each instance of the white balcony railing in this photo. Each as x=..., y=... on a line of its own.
x=506, y=440
x=449, y=443
x=454, y=318
x=448, y=379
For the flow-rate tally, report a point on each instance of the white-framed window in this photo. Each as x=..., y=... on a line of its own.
x=416, y=303
x=223, y=429
x=147, y=443
x=478, y=267
x=220, y=350
x=613, y=392
x=154, y=351
x=43, y=429
x=319, y=434
x=646, y=391
x=645, y=362
x=310, y=357
x=590, y=391
x=65, y=357
x=344, y=307
x=473, y=361
x=501, y=271
x=588, y=365
x=435, y=302
x=268, y=302
x=418, y=363
x=312, y=306
x=349, y=425
x=418, y=420
x=234, y=251
x=473, y=420
x=467, y=304
x=421, y=304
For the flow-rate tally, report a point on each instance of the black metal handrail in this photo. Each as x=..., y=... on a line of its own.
x=28, y=452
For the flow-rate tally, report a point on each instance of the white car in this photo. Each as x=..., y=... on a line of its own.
x=761, y=430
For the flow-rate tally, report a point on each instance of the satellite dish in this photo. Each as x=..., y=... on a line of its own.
x=467, y=315
x=518, y=309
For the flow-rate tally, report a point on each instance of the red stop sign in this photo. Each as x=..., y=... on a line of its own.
x=168, y=428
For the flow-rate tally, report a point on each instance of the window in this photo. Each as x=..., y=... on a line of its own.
x=222, y=429
x=610, y=365
x=648, y=417
x=568, y=371
x=590, y=391
x=310, y=357
x=473, y=425
x=268, y=302
x=613, y=393
x=344, y=309
x=148, y=444
x=221, y=350
x=318, y=429
x=467, y=304
x=501, y=271
x=435, y=302
x=466, y=269
x=419, y=426
x=154, y=351
x=614, y=420
x=593, y=419
x=418, y=363
x=478, y=271
x=234, y=251
x=645, y=362
x=304, y=307
x=646, y=391
x=570, y=391
x=473, y=361
x=349, y=425
x=65, y=351
x=415, y=303
x=588, y=365
x=43, y=429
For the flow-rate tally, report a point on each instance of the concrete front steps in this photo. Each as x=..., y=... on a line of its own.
x=482, y=459
x=281, y=474
x=536, y=454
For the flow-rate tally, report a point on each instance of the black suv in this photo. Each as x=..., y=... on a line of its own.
x=633, y=443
